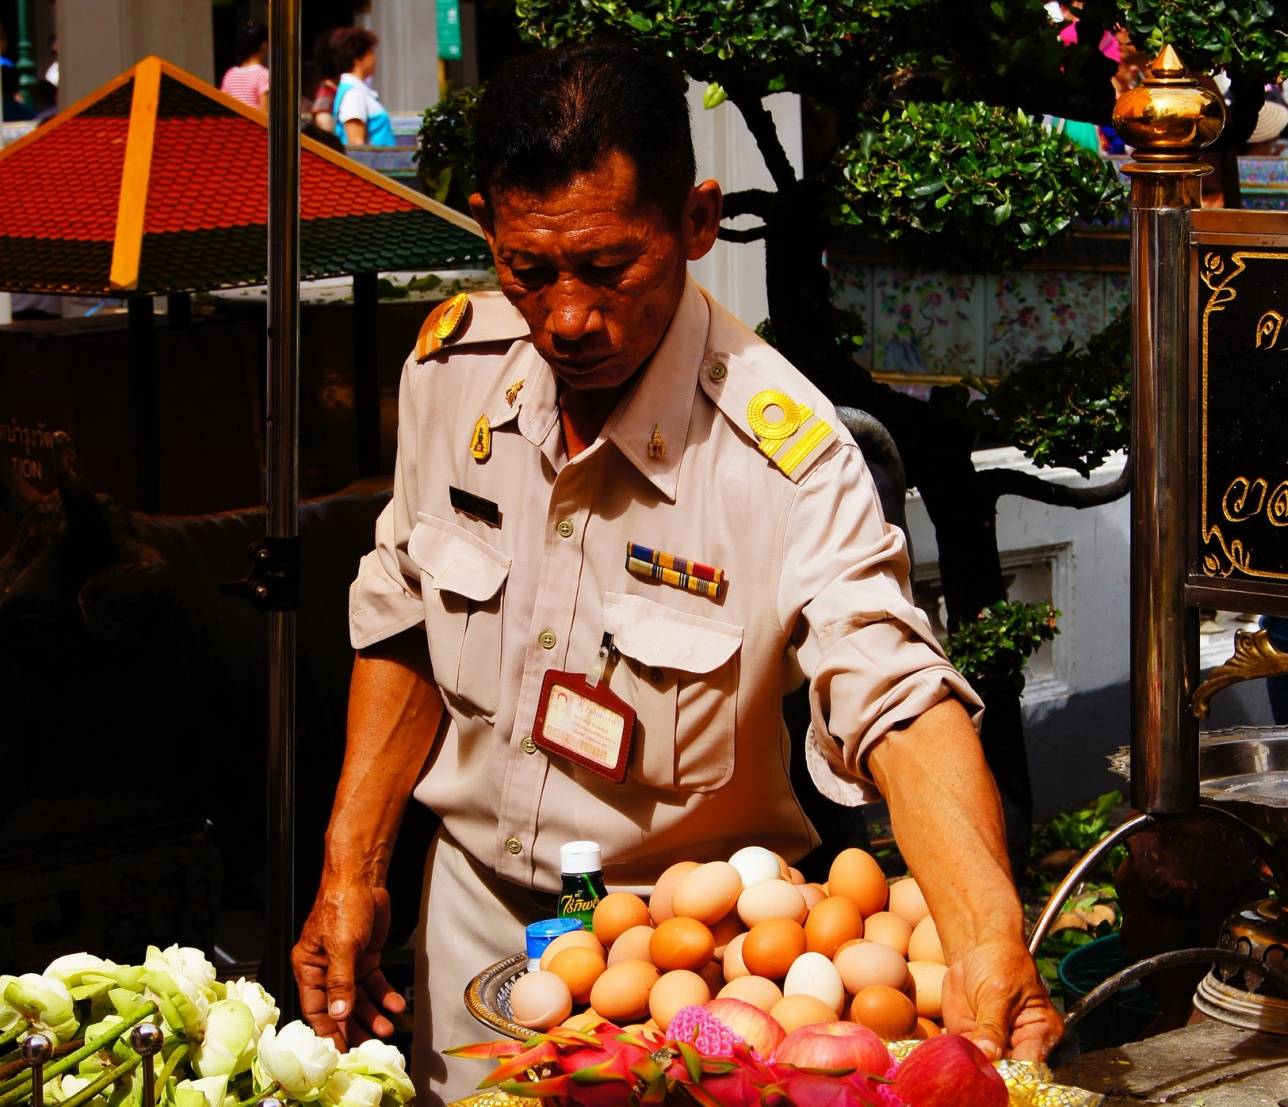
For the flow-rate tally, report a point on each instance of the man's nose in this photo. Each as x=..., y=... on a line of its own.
x=574, y=312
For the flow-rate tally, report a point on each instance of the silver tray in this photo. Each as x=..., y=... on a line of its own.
x=1245, y=770
x=487, y=996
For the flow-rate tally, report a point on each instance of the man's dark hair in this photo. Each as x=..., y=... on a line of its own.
x=250, y=38
x=546, y=117
x=348, y=44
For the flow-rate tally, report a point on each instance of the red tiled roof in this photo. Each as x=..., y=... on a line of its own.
x=158, y=182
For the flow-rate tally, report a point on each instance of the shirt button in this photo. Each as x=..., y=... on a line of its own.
x=513, y=845
x=529, y=746
x=565, y=528
x=655, y=675
x=717, y=371
x=547, y=639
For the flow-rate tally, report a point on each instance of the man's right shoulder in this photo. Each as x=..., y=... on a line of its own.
x=469, y=319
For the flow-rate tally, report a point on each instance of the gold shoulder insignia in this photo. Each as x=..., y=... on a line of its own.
x=445, y=323
x=789, y=434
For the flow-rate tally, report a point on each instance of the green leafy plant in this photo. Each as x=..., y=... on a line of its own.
x=445, y=148
x=989, y=185
x=1072, y=409
x=1248, y=33
x=993, y=647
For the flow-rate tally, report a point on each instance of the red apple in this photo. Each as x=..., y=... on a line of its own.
x=808, y=1089
x=949, y=1071
x=834, y=1047
x=750, y=1023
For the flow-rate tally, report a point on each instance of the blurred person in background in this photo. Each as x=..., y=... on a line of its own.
x=247, y=81
x=361, y=118
x=324, y=97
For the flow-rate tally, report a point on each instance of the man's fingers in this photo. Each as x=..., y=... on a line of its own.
x=382, y=993
x=367, y=1017
x=989, y=1031
x=339, y=984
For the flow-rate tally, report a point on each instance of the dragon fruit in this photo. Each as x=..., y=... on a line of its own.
x=706, y=1032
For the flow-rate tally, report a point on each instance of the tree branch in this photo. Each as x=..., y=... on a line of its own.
x=751, y=234
x=997, y=483
x=748, y=201
x=761, y=125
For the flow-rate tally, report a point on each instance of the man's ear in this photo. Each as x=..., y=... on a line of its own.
x=700, y=220
x=483, y=217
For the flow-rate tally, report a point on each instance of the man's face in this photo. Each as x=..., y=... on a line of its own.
x=596, y=274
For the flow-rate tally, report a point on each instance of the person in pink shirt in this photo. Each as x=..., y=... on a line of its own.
x=247, y=81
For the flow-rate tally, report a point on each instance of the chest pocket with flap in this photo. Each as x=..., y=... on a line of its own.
x=461, y=579
x=680, y=672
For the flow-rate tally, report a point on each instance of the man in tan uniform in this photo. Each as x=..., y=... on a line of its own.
x=601, y=468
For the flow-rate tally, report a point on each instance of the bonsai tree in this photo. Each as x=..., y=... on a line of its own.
x=931, y=140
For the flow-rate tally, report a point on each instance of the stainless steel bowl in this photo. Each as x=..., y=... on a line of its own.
x=1245, y=770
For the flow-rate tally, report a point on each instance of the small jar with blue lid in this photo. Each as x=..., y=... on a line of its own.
x=541, y=934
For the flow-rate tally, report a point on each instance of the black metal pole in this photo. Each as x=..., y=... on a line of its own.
x=283, y=493
x=144, y=409
x=366, y=372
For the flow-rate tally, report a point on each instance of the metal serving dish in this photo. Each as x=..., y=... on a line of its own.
x=1245, y=770
x=487, y=996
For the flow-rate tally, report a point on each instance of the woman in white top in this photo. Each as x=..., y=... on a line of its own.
x=248, y=79
x=357, y=107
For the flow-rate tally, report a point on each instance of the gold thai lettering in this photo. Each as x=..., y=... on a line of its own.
x=1268, y=328
x=1277, y=505
x=573, y=904
x=1234, y=504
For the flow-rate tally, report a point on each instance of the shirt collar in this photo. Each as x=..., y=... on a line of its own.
x=650, y=426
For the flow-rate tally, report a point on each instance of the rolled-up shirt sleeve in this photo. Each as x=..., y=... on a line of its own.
x=870, y=654
x=385, y=599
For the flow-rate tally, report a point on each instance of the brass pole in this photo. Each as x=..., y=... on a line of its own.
x=283, y=494
x=1168, y=120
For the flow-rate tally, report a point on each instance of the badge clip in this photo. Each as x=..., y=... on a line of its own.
x=600, y=665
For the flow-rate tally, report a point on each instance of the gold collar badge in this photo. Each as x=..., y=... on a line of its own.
x=512, y=393
x=656, y=444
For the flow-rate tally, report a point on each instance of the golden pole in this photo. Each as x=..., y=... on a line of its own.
x=1168, y=120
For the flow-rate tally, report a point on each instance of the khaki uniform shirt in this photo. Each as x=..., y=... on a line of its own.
x=721, y=453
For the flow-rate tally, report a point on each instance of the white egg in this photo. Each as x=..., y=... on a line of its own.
x=812, y=974
x=754, y=864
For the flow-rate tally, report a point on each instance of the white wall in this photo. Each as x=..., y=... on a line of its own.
x=735, y=272
x=407, y=57
x=97, y=39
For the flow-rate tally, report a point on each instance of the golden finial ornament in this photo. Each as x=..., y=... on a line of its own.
x=1169, y=117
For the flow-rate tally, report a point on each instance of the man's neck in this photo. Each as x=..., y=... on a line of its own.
x=582, y=414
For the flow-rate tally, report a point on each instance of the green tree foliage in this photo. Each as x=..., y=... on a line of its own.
x=445, y=148
x=1248, y=33
x=992, y=648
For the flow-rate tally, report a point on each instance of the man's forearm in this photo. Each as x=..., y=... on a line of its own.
x=947, y=818
x=394, y=714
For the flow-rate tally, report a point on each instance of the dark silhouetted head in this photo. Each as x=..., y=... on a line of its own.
x=547, y=117
x=250, y=41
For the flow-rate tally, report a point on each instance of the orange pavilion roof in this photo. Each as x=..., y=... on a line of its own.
x=158, y=182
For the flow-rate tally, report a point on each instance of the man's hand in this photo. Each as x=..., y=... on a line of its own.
x=994, y=996
x=337, y=964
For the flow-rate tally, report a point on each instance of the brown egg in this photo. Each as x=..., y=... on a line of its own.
x=616, y=913
x=888, y=929
x=583, y=938
x=578, y=968
x=813, y=895
x=540, y=1000
x=771, y=899
x=866, y=963
x=793, y=1012
x=831, y=923
x=681, y=943
x=673, y=991
x=856, y=875
x=887, y=1013
x=924, y=945
x=621, y=992
x=755, y=990
x=929, y=979
x=907, y=902
x=632, y=945
x=708, y=892
x=771, y=946
x=659, y=903
x=732, y=962
x=797, y=877
x=726, y=930
x=927, y=1028
x=713, y=973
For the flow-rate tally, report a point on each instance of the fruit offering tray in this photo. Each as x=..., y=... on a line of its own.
x=487, y=998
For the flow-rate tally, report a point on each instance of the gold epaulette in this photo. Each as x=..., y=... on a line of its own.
x=470, y=319
x=443, y=325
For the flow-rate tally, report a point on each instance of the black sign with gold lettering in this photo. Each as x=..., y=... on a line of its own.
x=1241, y=423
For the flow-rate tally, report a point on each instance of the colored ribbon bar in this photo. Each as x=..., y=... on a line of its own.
x=679, y=564
x=676, y=579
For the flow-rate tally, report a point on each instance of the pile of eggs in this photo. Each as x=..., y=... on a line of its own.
x=752, y=929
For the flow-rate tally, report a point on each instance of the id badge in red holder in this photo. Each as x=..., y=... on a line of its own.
x=580, y=718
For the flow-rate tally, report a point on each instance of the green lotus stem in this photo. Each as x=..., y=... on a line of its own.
x=18, y=1087
x=11, y=1035
x=172, y=1063
x=108, y=1078
x=260, y=1096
